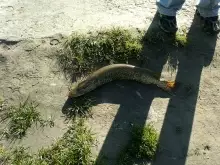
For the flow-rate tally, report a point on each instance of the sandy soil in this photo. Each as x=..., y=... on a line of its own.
x=23, y=18
x=27, y=66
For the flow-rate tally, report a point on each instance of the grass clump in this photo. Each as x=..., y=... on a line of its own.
x=143, y=145
x=154, y=37
x=125, y=158
x=181, y=39
x=159, y=38
x=80, y=107
x=21, y=118
x=84, y=53
x=74, y=148
x=144, y=142
x=18, y=156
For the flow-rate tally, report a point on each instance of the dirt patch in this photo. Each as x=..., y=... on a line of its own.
x=28, y=68
x=36, y=19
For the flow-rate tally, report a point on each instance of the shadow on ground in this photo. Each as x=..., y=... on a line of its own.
x=180, y=111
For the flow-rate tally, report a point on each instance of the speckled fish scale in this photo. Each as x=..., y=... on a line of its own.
x=122, y=72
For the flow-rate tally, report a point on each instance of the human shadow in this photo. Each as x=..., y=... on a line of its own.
x=178, y=121
x=134, y=98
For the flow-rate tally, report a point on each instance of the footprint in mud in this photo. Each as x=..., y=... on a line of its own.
x=54, y=41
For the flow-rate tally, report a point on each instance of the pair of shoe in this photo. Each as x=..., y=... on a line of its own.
x=169, y=24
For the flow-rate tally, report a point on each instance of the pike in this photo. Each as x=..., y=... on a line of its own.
x=113, y=72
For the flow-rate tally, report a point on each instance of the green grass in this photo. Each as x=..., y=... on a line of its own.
x=155, y=37
x=20, y=119
x=74, y=148
x=18, y=156
x=181, y=39
x=159, y=37
x=83, y=53
x=80, y=107
x=143, y=145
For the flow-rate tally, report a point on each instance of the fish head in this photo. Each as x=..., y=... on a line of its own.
x=73, y=91
x=79, y=89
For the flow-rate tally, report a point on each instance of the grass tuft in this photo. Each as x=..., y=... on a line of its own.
x=84, y=53
x=18, y=156
x=125, y=158
x=154, y=37
x=74, y=148
x=20, y=119
x=143, y=145
x=80, y=107
x=144, y=142
x=181, y=39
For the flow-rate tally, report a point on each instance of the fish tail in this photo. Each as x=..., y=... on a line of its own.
x=170, y=85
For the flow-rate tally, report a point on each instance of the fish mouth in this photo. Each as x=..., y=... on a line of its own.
x=73, y=94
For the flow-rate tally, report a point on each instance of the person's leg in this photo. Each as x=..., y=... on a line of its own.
x=167, y=10
x=169, y=7
x=208, y=10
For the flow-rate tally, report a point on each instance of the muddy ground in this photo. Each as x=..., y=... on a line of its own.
x=187, y=125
